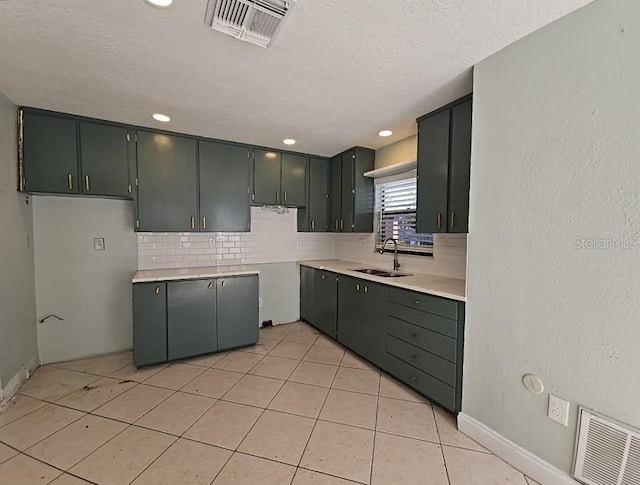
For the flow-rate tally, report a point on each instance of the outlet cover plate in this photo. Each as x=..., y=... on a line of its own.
x=558, y=410
x=98, y=243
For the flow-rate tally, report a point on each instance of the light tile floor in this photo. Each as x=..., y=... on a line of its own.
x=296, y=409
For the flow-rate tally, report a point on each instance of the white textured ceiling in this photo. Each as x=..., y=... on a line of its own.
x=338, y=72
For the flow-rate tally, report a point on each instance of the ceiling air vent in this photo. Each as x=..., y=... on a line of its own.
x=255, y=21
x=608, y=453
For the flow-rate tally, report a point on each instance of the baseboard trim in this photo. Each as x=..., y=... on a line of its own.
x=525, y=461
x=10, y=390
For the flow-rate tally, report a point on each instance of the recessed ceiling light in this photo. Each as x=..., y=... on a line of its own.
x=289, y=141
x=159, y=3
x=385, y=133
x=161, y=117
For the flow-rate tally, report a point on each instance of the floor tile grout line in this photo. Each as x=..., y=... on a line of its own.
x=375, y=432
x=444, y=460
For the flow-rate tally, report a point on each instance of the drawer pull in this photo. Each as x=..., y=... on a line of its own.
x=366, y=289
x=357, y=287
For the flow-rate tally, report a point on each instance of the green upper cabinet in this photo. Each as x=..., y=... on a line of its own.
x=433, y=172
x=336, y=193
x=460, y=168
x=50, y=153
x=267, y=174
x=352, y=194
x=444, y=158
x=294, y=169
x=314, y=216
x=104, y=160
x=224, y=181
x=167, y=190
x=279, y=178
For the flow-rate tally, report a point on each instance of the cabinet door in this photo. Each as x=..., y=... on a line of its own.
x=318, y=206
x=267, y=175
x=306, y=293
x=237, y=311
x=433, y=168
x=374, y=320
x=50, y=154
x=350, y=291
x=348, y=190
x=167, y=187
x=329, y=304
x=104, y=160
x=364, y=197
x=224, y=187
x=336, y=193
x=191, y=318
x=460, y=168
x=294, y=169
x=149, y=323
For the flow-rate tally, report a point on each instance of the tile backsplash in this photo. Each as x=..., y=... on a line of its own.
x=274, y=239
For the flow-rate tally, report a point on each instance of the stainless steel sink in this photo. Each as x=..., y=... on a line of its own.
x=382, y=273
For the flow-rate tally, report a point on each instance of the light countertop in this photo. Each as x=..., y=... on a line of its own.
x=451, y=288
x=192, y=273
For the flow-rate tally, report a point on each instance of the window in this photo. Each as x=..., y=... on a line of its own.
x=396, y=217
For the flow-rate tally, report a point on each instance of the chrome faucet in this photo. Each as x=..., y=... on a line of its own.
x=396, y=264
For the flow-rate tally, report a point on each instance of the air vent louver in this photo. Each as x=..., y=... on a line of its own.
x=608, y=453
x=255, y=21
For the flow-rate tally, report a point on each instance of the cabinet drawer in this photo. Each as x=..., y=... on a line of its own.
x=424, y=319
x=426, y=303
x=435, y=343
x=425, y=361
x=423, y=383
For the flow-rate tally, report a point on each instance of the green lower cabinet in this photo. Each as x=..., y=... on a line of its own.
x=149, y=323
x=415, y=337
x=362, y=318
x=179, y=319
x=191, y=318
x=318, y=299
x=237, y=311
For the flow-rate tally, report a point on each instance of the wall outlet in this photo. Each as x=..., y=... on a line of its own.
x=98, y=244
x=558, y=410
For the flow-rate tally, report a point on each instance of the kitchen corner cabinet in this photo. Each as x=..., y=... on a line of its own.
x=224, y=180
x=62, y=155
x=314, y=217
x=352, y=194
x=279, y=178
x=319, y=298
x=167, y=187
x=362, y=318
x=444, y=159
x=186, y=318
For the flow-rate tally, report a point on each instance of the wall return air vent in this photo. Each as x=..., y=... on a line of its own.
x=255, y=21
x=608, y=453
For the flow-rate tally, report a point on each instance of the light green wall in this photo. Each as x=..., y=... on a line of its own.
x=401, y=151
x=90, y=289
x=556, y=158
x=18, y=341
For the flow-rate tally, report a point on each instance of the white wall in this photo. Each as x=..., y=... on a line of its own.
x=401, y=151
x=18, y=341
x=90, y=289
x=556, y=156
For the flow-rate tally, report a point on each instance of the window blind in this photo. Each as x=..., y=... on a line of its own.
x=396, y=217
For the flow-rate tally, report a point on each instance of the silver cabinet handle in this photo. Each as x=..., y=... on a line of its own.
x=341, y=224
x=357, y=287
x=313, y=224
x=277, y=197
x=87, y=183
x=285, y=195
x=439, y=220
x=210, y=284
x=366, y=289
x=204, y=222
x=322, y=276
x=453, y=219
x=193, y=222
x=70, y=181
x=336, y=224
x=157, y=290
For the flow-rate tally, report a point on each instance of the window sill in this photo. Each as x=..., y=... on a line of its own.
x=404, y=251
